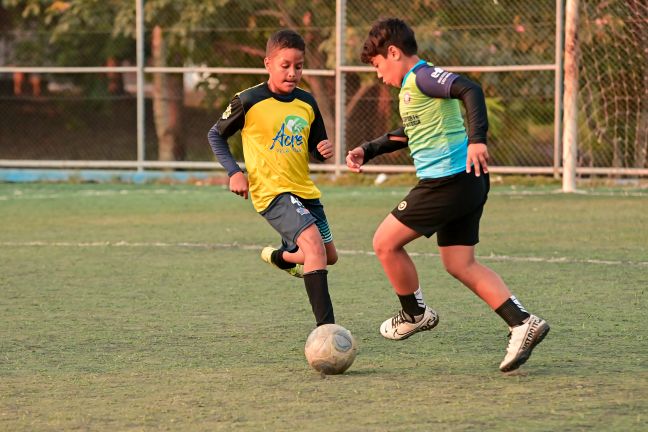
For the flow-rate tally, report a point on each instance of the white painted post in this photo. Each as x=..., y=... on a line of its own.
x=570, y=98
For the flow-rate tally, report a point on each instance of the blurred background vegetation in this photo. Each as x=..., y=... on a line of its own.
x=92, y=115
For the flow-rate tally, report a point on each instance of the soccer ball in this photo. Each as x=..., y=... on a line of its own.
x=330, y=349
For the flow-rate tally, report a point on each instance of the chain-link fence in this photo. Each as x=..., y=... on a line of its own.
x=133, y=83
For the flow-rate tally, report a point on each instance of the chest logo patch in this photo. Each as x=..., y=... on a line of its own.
x=289, y=137
x=402, y=205
x=295, y=124
x=407, y=98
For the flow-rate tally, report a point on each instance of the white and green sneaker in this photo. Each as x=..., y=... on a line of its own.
x=522, y=340
x=266, y=255
x=401, y=326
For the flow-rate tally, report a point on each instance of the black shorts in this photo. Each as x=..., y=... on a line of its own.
x=449, y=206
x=290, y=215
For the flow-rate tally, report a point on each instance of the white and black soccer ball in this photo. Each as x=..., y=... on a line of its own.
x=330, y=349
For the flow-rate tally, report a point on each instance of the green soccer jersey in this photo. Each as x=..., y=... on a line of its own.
x=433, y=122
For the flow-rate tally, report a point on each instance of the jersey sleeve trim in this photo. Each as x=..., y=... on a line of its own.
x=232, y=120
x=434, y=81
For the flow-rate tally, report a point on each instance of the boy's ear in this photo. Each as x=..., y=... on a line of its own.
x=266, y=62
x=394, y=53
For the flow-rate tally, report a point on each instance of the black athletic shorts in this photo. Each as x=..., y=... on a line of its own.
x=449, y=206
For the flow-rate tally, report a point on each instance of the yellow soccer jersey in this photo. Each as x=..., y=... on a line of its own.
x=278, y=132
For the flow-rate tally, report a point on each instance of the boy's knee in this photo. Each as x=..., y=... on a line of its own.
x=455, y=271
x=458, y=270
x=382, y=246
x=310, y=241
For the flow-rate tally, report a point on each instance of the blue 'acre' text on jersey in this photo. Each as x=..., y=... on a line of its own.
x=433, y=122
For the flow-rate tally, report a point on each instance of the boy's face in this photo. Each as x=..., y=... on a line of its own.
x=285, y=68
x=391, y=69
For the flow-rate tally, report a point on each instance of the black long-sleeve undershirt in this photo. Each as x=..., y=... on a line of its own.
x=472, y=96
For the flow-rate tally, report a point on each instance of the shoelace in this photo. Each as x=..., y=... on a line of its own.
x=399, y=319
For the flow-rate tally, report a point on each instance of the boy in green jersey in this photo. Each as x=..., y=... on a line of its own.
x=452, y=167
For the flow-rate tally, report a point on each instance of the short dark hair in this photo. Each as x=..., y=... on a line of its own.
x=285, y=39
x=390, y=31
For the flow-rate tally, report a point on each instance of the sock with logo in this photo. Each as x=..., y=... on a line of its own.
x=512, y=312
x=413, y=305
x=316, y=283
x=277, y=259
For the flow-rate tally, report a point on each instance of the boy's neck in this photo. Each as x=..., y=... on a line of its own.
x=411, y=61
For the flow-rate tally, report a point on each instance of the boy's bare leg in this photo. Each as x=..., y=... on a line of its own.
x=311, y=248
x=526, y=330
x=389, y=245
x=298, y=256
x=460, y=262
x=415, y=316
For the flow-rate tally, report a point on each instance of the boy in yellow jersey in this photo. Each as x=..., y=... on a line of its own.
x=280, y=125
x=448, y=200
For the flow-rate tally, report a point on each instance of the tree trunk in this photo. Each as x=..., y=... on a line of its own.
x=168, y=94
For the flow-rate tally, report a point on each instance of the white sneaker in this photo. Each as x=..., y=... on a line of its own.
x=399, y=327
x=266, y=255
x=522, y=340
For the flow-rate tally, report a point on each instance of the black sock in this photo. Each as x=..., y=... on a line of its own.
x=512, y=312
x=410, y=305
x=316, y=283
x=277, y=258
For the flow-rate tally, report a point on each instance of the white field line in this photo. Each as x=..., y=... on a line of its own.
x=19, y=194
x=491, y=257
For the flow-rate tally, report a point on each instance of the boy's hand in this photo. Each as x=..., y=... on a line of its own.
x=325, y=148
x=239, y=185
x=477, y=156
x=355, y=158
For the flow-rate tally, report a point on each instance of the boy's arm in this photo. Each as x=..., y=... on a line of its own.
x=230, y=122
x=391, y=141
x=317, y=134
x=472, y=96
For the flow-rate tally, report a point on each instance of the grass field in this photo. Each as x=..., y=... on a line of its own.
x=146, y=307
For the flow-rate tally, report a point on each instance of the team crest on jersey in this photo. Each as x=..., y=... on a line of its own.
x=228, y=112
x=407, y=97
x=289, y=137
x=402, y=205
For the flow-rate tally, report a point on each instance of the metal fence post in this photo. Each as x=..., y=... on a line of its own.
x=340, y=92
x=558, y=88
x=139, y=38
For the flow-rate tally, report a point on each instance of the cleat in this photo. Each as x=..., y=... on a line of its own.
x=399, y=327
x=522, y=340
x=266, y=255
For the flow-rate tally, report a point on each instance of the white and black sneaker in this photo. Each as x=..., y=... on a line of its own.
x=401, y=326
x=522, y=340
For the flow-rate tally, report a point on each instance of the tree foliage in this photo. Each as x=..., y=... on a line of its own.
x=229, y=33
